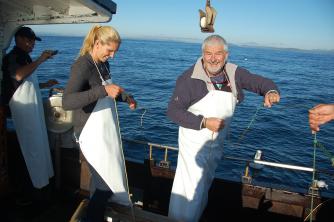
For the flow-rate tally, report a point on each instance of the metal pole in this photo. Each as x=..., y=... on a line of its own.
x=273, y=164
x=285, y=166
x=150, y=152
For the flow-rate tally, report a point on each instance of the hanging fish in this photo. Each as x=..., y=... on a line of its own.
x=207, y=18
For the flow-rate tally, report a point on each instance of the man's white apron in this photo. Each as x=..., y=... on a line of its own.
x=199, y=154
x=100, y=143
x=29, y=121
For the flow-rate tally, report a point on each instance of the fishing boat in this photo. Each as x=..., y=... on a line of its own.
x=150, y=180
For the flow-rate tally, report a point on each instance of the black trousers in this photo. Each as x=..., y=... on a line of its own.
x=98, y=201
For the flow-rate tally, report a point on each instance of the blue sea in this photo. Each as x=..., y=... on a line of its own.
x=148, y=70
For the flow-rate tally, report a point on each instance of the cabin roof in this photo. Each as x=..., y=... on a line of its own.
x=23, y=12
x=15, y=13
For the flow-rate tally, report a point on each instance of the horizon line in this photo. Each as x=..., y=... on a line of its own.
x=192, y=40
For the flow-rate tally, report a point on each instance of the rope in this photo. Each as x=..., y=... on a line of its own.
x=313, y=175
x=211, y=145
x=126, y=174
x=326, y=151
x=247, y=129
x=319, y=205
x=242, y=135
x=119, y=133
x=142, y=115
x=315, y=145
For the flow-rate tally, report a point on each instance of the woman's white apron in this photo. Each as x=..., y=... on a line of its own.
x=199, y=154
x=28, y=117
x=100, y=143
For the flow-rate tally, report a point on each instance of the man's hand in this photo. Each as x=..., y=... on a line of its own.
x=26, y=70
x=48, y=84
x=51, y=82
x=113, y=90
x=319, y=115
x=214, y=124
x=46, y=54
x=271, y=98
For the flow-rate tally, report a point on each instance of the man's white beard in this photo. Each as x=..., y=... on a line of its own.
x=214, y=71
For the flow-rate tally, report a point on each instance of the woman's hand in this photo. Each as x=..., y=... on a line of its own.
x=113, y=90
x=132, y=102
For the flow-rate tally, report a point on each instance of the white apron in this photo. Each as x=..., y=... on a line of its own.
x=199, y=154
x=100, y=143
x=29, y=121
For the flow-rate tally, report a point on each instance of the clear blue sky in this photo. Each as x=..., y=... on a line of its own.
x=304, y=24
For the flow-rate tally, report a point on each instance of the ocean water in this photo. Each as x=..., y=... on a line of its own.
x=148, y=70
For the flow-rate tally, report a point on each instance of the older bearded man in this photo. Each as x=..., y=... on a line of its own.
x=202, y=105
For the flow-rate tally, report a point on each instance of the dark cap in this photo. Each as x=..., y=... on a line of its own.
x=27, y=32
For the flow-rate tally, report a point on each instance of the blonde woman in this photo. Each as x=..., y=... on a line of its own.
x=92, y=95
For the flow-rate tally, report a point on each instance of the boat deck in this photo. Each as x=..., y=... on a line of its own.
x=150, y=189
x=122, y=214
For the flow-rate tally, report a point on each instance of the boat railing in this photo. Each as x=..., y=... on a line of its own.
x=255, y=163
x=165, y=163
x=257, y=158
